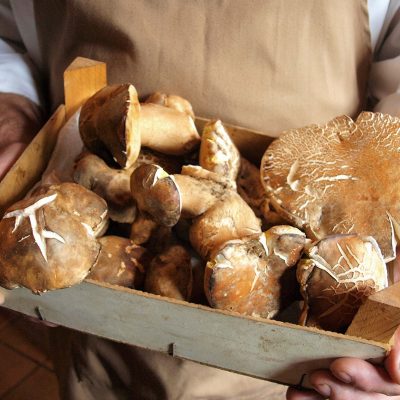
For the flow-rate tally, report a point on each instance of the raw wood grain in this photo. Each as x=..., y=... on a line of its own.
x=29, y=167
x=82, y=79
x=378, y=318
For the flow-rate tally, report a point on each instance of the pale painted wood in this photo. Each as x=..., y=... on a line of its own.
x=270, y=350
x=29, y=167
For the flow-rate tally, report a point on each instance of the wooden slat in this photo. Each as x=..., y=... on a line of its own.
x=379, y=317
x=29, y=167
x=82, y=79
x=270, y=350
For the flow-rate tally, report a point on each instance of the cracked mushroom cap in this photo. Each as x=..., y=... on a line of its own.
x=109, y=124
x=49, y=240
x=247, y=276
x=339, y=178
x=336, y=275
x=156, y=193
x=120, y=262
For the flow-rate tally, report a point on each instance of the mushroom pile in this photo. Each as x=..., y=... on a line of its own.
x=156, y=206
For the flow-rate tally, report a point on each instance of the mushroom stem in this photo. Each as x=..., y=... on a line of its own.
x=167, y=130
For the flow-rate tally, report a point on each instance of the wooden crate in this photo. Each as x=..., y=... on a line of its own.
x=271, y=350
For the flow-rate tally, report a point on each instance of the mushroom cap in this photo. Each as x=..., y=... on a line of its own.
x=172, y=101
x=120, y=262
x=109, y=124
x=49, y=240
x=247, y=275
x=228, y=219
x=218, y=153
x=336, y=275
x=156, y=193
x=339, y=178
x=170, y=273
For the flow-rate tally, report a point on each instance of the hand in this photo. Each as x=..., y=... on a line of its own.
x=20, y=119
x=354, y=379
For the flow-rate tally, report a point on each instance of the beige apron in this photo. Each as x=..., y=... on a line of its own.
x=265, y=65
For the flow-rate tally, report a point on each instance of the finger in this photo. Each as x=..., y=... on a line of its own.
x=2, y=298
x=295, y=394
x=364, y=376
x=330, y=387
x=392, y=362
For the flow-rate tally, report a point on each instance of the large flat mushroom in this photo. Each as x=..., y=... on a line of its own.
x=339, y=178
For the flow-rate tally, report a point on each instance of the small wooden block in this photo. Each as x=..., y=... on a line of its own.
x=378, y=318
x=82, y=79
x=29, y=167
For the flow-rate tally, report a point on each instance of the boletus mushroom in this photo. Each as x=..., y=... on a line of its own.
x=218, y=212
x=250, y=276
x=112, y=122
x=336, y=275
x=218, y=153
x=172, y=101
x=109, y=124
x=49, y=240
x=120, y=262
x=339, y=178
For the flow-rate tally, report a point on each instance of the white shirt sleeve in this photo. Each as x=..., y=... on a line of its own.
x=17, y=71
x=384, y=84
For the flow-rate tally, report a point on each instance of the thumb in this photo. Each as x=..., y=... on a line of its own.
x=392, y=362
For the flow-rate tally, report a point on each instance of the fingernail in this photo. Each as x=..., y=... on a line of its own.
x=324, y=390
x=346, y=378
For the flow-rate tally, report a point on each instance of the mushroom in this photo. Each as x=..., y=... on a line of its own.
x=250, y=275
x=113, y=185
x=336, y=275
x=49, y=240
x=120, y=262
x=113, y=122
x=170, y=273
x=339, y=178
x=172, y=101
x=219, y=213
x=218, y=153
x=250, y=188
x=109, y=124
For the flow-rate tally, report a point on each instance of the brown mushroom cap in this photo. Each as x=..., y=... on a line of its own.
x=246, y=275
x=336, y=275
x=170, y=273
x=229, y=218
x=172, y=101
x=156, y=193
x=49, y=240
x=109, y=124
x=120, y=262
x=339, y=178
